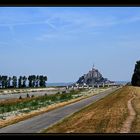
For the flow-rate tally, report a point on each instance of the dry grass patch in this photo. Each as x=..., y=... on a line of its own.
x=136, y=104
x=104, y=116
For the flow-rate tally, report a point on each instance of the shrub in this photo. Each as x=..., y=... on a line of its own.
x=57, y=93
x=32, y=96
x=63, y=91
x=28, y=96
x=20, y=97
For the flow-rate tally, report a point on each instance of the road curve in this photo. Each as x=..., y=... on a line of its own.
x=43, y=121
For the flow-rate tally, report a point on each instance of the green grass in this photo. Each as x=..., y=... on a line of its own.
x=38, y=102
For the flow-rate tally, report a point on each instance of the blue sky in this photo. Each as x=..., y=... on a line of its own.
x=64, y=42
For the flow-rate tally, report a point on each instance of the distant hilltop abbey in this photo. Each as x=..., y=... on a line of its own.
x=93, y=77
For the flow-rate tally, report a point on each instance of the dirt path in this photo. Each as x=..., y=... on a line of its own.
x=128, y=122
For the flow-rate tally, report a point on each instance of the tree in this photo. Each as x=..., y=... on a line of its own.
x=42, y=81
x=9, y=81
x=4, y=81
x=0, y=80
x=30, y=81
x=37, y=81
x=14, y=78
x=20, y=82
x=24, y=81
x=33, y=80
x=135, y=81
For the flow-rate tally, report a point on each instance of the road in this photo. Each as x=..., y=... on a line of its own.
x=24, y=95
x=38, y=123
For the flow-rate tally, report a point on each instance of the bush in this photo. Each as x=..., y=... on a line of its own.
x=65, y=96
x=20, y=97
x=63, y=91
x=6, y=109
x=58, y=93
x=28, y=96
x=34, y=103
x=32, y=96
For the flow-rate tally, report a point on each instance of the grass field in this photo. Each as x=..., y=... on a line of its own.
x=104, y=116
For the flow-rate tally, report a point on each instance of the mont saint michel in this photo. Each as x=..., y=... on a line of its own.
x=93, y=77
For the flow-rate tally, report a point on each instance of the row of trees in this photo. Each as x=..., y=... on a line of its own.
x=21, y=82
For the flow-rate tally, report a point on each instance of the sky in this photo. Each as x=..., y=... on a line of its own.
x=64, y=42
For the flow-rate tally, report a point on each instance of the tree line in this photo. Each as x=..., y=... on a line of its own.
x=23, y=81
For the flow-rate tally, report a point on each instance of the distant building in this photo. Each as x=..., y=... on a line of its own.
x=93, y=77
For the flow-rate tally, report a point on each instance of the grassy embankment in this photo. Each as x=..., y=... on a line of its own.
x=136, y=104
x=104, y=116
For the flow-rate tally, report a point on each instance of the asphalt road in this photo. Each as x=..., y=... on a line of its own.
x=24, y=95
x=38, y=123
